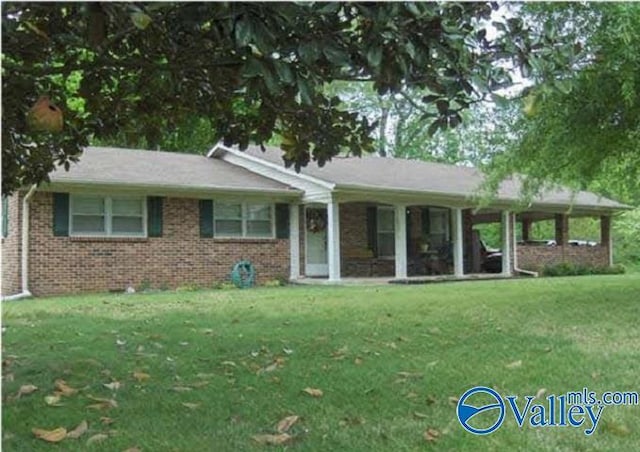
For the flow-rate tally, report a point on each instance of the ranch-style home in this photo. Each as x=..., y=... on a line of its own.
x=130, y=218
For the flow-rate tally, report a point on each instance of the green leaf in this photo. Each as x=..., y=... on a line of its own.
x=140, y=20
x=374, y=56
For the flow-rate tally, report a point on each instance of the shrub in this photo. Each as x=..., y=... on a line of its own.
x=569, y=269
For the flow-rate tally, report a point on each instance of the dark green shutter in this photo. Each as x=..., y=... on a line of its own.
x=5, y=216
x=372, y=229
x=61, y=214
x=206, y=218
x=282, y=221
x=154, y=216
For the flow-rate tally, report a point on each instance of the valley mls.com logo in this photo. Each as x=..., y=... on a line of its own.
x=482, y=410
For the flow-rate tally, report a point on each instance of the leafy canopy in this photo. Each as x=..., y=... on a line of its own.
x=583, y=128
x=139, y=70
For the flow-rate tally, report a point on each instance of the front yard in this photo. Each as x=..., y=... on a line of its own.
x=190, y=371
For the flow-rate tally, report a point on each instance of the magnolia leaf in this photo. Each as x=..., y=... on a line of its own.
x=26, y=390
x=103, y=404
x=514, y=364
x=51, y=436
x=273, y=440
x=285, y=424
x=313, y=392
x=114, y=385
x=64, y=389
x=191, y=406
x=431, y=434
x=97, y=438
x=141, y=376
x=140, y=20
x=80, y=430
x=53, y=400
x=181, y=388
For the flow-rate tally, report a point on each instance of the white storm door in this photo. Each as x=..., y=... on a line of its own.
x=316, y=260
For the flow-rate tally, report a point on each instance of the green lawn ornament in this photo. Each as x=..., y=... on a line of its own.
x=243, y=275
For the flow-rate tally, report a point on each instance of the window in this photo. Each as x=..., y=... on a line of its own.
x=243, y=220
x=108, y=216
x=386, y=232
x=439, y=233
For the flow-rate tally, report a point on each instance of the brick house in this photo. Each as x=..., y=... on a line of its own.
x=129, y=218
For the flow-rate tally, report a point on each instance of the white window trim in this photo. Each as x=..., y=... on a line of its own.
x=392, y=231
x=108, y=215
x=243, y=220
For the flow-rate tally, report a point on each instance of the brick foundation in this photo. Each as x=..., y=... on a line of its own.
x=180, y=257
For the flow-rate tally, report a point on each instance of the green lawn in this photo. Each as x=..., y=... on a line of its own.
x=387, y=358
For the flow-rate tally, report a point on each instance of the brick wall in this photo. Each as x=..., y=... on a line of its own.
x=532, y=257
x=180, y=257
x=11, y=248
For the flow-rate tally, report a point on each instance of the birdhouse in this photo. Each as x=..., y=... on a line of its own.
x=45, y=116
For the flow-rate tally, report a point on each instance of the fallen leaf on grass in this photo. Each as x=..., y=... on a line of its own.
x=358, y=361
x=106, y=420
x=313, y=392
x=141, y=376
x=114, y=385
x=431, y=434
x=133, y=449
x=64, y=389
x=541, y=392
x=80, y=430
x=409, y=375
x=191, y=406
x=181, y=388
x=103, y=404
x=273, y=440
x=200, y=384
x=453, y=400
x=285, y=424
x=514, y=364
x=420, y=415
x=26, y=390
x=53, y=400
x=51, y=436
x=97, y=438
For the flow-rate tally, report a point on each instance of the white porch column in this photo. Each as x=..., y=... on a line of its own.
x=400, y=219
x=294, y=241
x=506, y=243
x=458, y=254
x=333, y=240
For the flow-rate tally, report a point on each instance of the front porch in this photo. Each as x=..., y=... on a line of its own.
x=357, y=241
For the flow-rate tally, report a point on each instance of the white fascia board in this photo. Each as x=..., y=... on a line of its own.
x=279, y=173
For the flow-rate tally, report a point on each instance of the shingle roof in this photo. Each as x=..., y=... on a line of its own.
x=110, y=166
x=371, y=172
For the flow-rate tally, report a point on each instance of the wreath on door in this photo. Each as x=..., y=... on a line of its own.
x=316, y=221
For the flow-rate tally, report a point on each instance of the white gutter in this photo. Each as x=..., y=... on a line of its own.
x=515, y=255
x=24, y=257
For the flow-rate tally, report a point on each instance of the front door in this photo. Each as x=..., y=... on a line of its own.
x=316, y=262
